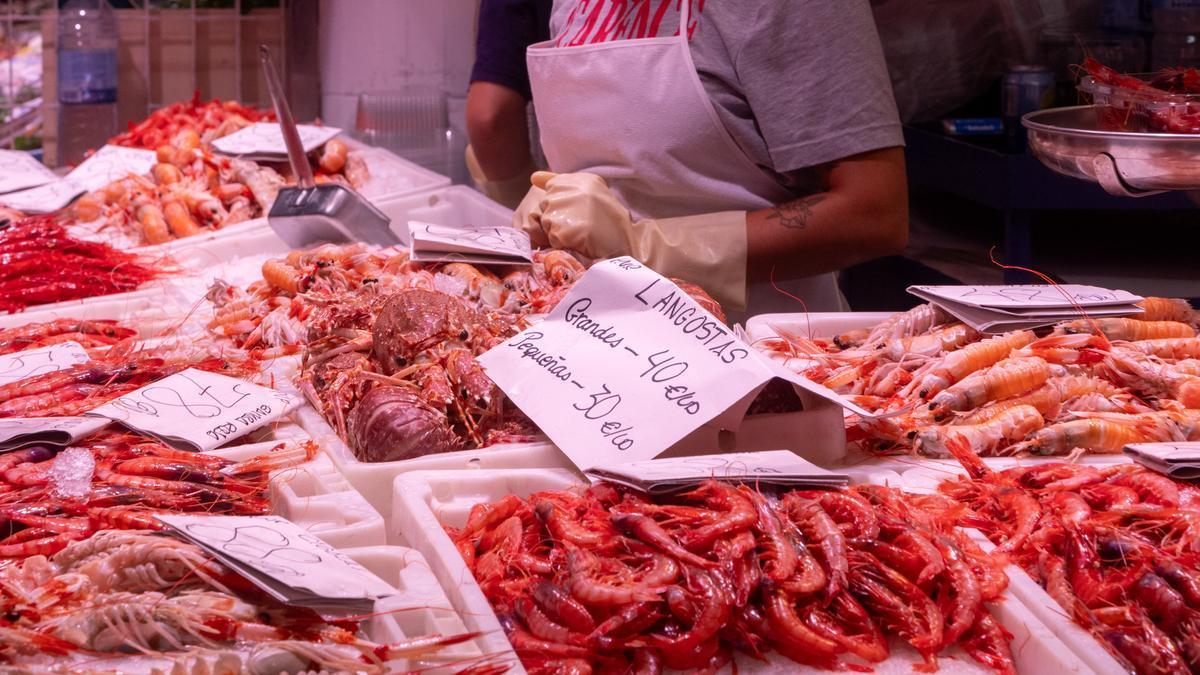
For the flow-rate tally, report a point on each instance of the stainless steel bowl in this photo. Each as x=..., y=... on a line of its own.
x=1071, y=142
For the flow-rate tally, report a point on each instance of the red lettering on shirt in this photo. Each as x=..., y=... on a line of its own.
x=597, y=21
x=609, y=28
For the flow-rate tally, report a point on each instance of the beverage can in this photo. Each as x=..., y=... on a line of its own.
x=1026, y=88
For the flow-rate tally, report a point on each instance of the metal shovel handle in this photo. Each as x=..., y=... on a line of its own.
x=287, y=125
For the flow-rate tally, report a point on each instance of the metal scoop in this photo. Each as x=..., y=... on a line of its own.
x=308, y=213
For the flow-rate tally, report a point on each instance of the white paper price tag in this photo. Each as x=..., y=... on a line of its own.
x=1166, y=452
x=775, y=467
x=626, y=365
x=18, y=432
x=468, y=243
x=1043, y=296
x=111, y=163
x=31, y=362
x=995, y=309
x=19, y=170
x=44, y=199
x=284, y=560
x=198, y=409
x=266, y=140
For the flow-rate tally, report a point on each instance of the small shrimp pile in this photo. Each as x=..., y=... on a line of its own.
x=90, y=334
x=40, y=263
x=189, y=191
x=1115, y=546
x=140, y=595
x=1090, y=385
x=133, y=478
x=1165, y=102
x=208, y=121
x=610, y=580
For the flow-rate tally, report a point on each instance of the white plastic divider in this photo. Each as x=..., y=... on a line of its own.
x=427, y=501
x=1082, y=644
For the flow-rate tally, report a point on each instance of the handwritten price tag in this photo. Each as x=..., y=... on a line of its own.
x=19, y=432
x=265, y=140
x=626, y=365
x=108, y=164
x=774, y=467
x=431, y=242
x=31, y=362
x=19, y=170
x=198, y=409
x=1179, y=460
x=996, y=309
x=285, y=561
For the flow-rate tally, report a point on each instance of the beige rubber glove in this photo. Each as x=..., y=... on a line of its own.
x=508, y=191
x=579, y=212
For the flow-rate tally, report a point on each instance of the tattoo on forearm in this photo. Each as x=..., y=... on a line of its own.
x=795, y=214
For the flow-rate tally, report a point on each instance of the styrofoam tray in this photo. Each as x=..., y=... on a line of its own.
x=453, y=205
x=815, y=324
x=393, y=176
x=427, y=500
x=373, y=480
x=315, y=496
x=1030, y=593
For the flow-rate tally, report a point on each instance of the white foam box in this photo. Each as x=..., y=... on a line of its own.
x=1082, y=644
x=426, y=501
x=314, y=495
x=373, y=480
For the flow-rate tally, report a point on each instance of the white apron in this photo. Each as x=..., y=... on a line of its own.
x=636, y=113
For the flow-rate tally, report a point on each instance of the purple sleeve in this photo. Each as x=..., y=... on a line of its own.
x=506, y=28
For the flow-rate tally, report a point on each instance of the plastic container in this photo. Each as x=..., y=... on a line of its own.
x=1148, y=110
x=454, y=205
x=87, y=77
x=428, y=500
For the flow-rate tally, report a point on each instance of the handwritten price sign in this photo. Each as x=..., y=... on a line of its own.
x=33, y=362
x=624, y=367
x=19, y=170
x=290, y=564
x=198, y=409
x=110, y=163
x=468, y=243
x=264, y=139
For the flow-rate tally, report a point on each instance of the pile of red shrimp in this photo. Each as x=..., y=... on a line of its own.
x=40, y=263
x=1116, y=546
x=209, y=120
x=610, y=580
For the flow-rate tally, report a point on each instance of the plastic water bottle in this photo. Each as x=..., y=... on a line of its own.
x=87, y=77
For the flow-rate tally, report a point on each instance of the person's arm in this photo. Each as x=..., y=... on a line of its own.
x=863, y=214
x=498, y=130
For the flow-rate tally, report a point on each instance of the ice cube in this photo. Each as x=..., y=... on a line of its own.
x=71, y=473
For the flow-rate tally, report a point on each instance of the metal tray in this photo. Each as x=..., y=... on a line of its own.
x=1125, y=163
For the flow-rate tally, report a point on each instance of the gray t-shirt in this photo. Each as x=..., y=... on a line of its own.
x=798, y=83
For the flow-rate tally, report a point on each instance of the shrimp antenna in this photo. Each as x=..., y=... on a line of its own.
x=807, y=321
x=1058, y=287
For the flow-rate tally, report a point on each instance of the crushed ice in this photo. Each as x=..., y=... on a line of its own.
x=71, y=473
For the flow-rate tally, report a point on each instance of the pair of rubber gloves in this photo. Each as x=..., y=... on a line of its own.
x=578, y=212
